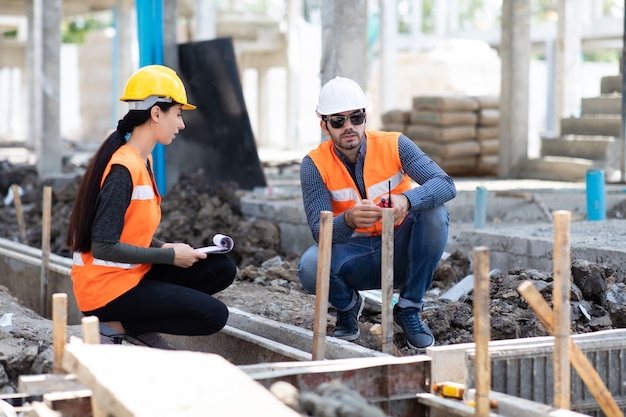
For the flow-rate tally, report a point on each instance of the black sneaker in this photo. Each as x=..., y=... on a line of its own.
x=418, y=335
x=347, y=327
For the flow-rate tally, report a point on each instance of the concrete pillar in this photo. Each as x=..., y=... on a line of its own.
x=263, y=106
x=294, y=18
x=170, y=29
x=514, y=94
x=48, y=150
x=440, y=13
x=344, y=40
x=34, y=12
x=489, y=16
x=453, y=16
x=127, y=61
x=567, y=62
x=417, y=20
x=388, y=56
x=205, y=22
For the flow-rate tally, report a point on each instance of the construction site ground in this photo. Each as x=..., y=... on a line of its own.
x=267, y=283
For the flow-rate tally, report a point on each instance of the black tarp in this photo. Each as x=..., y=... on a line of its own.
x=218, y=136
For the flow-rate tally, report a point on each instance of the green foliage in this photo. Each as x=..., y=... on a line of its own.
x=603, y=55
x=74, y=31
x=9, y=34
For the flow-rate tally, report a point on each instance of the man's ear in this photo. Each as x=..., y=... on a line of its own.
x=324, y=127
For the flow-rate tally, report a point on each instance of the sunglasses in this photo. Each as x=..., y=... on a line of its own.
x=337, y=122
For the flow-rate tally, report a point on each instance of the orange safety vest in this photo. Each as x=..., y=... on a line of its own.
x=98, y=281
x=382, y=169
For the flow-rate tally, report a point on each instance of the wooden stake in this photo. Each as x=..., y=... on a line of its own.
x=387, y=282
x=59, y=330
x=377, y=331
x=17, y=200
x=91, y=330
x=91, y=336
x=560, y=301
x=482, y=326
x=45, y=247
x=322, y=285
x=585, y=370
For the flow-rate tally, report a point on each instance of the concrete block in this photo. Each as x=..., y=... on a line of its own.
x=611, y=84
x=605, y=104
x=532, y=244
x=605, y=125
x=556, y=168
x=594, y=147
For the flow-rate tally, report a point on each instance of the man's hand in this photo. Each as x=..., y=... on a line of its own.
x=400, y=204
x=184, y=255
x=364, y=214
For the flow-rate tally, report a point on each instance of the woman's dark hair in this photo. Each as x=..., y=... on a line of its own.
x=84, y=209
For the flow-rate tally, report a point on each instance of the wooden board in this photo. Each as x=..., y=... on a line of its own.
x=142, y=381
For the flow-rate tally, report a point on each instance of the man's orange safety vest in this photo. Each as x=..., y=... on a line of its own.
x=382, y=170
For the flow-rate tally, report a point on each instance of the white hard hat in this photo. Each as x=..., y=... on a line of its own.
x=340, y=94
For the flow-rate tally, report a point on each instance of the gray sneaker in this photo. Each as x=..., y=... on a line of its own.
x=347, y=327
x=418, y=335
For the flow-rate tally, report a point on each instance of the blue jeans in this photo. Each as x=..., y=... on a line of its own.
x=419, y=243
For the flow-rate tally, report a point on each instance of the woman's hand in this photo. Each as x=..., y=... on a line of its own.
x=184, y=255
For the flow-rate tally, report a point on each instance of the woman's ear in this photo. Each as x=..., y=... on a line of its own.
x=155, y=113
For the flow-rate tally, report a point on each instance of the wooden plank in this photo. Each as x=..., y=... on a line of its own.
x=562, y=315
x=70, y=403
x=482, y=327
x=59, y=330
x=17, y=199
x=387, y=274
x=45, y=248
x=35, y=385
x=322, y=285
x=131, y=380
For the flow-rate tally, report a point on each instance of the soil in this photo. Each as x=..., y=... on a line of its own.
x=267, y=283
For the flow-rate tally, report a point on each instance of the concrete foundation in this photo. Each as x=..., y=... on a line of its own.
x=516, y=230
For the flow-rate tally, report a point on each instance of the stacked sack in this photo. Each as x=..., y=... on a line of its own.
x=460, y=133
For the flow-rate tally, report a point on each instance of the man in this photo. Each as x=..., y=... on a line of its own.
x=355, y=174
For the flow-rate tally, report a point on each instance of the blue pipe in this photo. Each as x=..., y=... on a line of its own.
x=480, y=211
x=150, y=37
x=596, y=209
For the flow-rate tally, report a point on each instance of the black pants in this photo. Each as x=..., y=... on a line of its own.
x=174, y=300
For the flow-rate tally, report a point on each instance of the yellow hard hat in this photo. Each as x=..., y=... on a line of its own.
x=152, y=84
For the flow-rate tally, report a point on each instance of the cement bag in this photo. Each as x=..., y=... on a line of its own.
x=488, y=102
x=462, y=166
x=441, y=133
x=395, y=117
x=450, y=150
x=487, y=132
x=489, y=146
x=489, y=117
x=443, y=118
x=446, y=103
x=487, y=165
x=394, y=127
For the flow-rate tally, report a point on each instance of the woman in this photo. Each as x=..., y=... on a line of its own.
x=135, y=284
